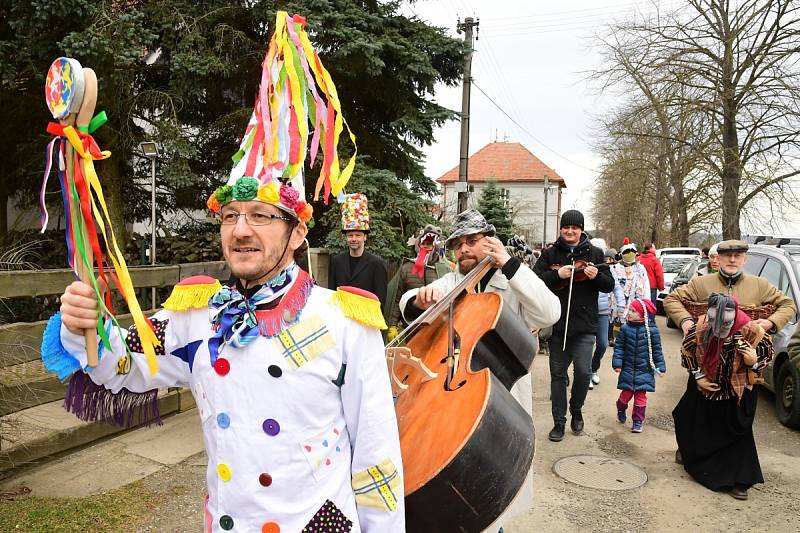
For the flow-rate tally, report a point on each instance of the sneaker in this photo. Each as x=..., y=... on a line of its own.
x=557, y=433
x=637, y=426
x=591, y=385
x=595, y=378
x=622, y=417
x=576, y=424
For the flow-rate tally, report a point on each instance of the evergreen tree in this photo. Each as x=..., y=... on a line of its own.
x=493, y=207
x=185, y=74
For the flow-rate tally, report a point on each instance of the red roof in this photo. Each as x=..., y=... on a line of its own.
x=504, y=162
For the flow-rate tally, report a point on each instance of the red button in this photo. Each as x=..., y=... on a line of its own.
x=265, y=480
x=222, y=366
x=270, y=527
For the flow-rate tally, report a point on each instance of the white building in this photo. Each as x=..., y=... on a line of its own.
x=522, y=178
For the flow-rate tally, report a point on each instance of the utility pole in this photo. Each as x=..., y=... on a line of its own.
x=546, y=188
x=461, y=186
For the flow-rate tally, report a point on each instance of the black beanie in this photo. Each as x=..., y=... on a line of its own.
x=573, y=217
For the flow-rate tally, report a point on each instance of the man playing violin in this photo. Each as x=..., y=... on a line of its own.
x=472, y=239
x=568, y=268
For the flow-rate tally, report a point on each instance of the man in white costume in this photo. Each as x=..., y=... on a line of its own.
x=290, y=379
x=473, y=239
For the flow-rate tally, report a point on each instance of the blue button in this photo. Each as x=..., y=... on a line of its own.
x=223, y=420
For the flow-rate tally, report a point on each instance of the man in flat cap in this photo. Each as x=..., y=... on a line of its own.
x=749, y=291
x=725, y=349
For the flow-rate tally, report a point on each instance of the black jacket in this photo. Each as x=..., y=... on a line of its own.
x=583, y=309
x=370, y=274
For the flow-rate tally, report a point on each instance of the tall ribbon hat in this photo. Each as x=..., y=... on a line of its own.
x=295, y=89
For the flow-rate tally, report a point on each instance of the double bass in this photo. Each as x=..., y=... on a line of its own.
x=467, y=444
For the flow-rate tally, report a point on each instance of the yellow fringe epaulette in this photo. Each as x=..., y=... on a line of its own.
x=192, y=293
x=360, y=305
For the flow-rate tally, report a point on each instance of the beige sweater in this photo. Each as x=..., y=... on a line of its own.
x=748, y=290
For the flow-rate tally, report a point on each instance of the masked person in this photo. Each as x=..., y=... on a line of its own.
x=290, y=378
x=428, y=266
x=724, y=352
x=578, y=323
x=632, y=280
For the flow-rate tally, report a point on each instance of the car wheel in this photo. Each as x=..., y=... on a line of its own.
x=787, y=395
x=671, y=324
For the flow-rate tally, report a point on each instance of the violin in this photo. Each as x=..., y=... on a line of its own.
x=579, y=271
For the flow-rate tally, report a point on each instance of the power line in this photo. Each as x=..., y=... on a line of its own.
x=531, y=135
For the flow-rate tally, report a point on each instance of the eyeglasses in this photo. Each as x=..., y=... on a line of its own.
x=229, y=218
x=469, y=241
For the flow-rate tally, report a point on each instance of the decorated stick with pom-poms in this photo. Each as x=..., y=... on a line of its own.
x=71, y=95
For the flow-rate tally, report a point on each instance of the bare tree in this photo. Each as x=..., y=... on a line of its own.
x=736, y=63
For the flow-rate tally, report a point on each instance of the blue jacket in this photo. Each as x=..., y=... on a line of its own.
x=632, y=356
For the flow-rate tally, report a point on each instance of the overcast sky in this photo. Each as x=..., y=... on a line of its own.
x=532, y=59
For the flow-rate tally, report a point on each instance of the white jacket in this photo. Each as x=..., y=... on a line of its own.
x=539, y=308
x=316, y=441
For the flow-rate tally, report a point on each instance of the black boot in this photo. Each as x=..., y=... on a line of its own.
x=557, y=433
x=577, y=422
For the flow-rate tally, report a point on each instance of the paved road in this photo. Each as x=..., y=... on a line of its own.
x=670, y=500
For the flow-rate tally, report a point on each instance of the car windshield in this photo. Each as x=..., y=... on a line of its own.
x=672, y=264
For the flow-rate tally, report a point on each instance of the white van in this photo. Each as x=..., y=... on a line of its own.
x=680, y=251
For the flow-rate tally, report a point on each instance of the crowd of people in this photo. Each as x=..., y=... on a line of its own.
x=607, y=297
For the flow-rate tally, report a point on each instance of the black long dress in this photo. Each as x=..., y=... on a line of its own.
x=715, y=431
x=715, y=438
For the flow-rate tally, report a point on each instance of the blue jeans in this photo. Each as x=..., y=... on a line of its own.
x=579, y=354
x=653, y=295
x=602, y=341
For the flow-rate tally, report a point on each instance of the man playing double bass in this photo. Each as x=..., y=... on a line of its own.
x=578, y=321
x=472, y=239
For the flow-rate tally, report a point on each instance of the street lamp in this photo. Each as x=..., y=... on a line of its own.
x=149, y=150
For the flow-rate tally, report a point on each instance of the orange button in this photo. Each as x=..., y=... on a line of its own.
x=270, y=527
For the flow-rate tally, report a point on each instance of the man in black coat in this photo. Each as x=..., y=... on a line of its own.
x=356, y=267
x=578, y=317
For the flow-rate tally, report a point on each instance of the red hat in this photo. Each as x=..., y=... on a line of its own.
x=636, y=305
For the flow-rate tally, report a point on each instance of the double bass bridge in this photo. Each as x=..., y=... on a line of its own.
x=401, y=355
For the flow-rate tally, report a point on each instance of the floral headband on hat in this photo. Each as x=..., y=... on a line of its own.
x=269, y=164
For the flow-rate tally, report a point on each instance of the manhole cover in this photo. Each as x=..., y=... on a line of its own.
x=603, y=473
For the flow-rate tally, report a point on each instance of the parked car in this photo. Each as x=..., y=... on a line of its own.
x=681, y=250
x=689, y=271
x=672, y=264
x=781, y=266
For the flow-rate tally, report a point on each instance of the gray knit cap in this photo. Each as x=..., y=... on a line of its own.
x=469, y=222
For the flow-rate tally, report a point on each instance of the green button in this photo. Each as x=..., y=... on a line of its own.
x=226, y=522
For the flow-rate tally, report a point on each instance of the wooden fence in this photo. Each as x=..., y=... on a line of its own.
x=24, y=384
